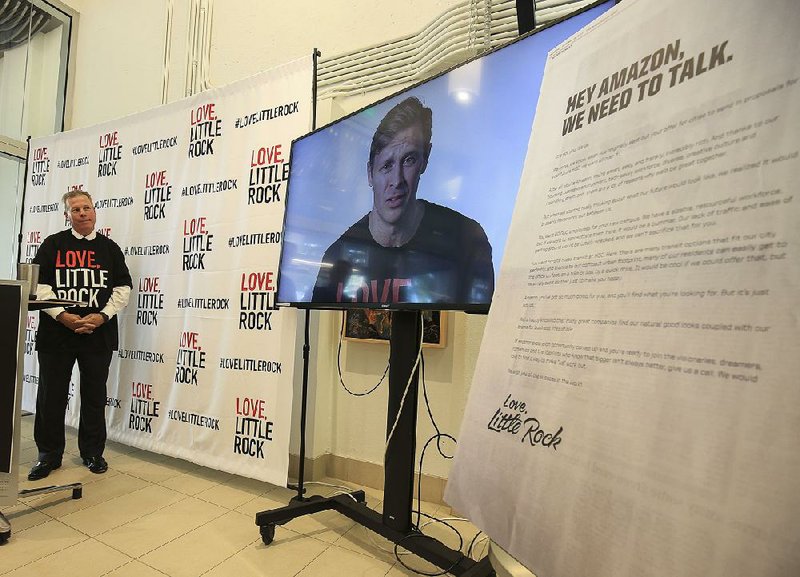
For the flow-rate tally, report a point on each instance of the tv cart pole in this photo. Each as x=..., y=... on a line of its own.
x=395, y=522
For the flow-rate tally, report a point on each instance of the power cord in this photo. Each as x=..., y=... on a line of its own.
x=473, y=544
x=408, y=386
x=341, y=489
x=444, y=521
x=339, y=365
x=420, y=535
x=438, y=436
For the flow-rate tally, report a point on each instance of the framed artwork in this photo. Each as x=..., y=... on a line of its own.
x=375, y=326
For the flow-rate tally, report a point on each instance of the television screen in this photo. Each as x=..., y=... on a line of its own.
x=406, y=204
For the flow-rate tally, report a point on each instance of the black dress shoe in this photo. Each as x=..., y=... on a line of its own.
x=96, y=464
x=42, y=469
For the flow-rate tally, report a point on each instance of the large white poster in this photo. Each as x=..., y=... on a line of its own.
x=193, y=192
x=636, y=405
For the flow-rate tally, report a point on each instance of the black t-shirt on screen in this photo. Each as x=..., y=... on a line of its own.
x=447, y=261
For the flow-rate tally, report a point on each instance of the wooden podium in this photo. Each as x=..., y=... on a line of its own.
x=14, y=307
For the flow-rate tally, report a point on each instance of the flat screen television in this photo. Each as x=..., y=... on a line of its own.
x=406, y=204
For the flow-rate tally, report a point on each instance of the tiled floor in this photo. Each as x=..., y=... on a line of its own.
x=152, y=515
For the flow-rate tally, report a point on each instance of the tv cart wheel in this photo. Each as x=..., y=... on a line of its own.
x=268, y=533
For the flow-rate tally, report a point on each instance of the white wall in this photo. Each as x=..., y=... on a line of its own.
x=118, y=59
x=360, y=422
x=119, y=71
x=120, y=44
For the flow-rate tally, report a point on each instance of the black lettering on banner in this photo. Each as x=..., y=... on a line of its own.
x=268, y=171
x=667, y=66
x=149, y=301
x=250, y=365
x=204, y=303
x=205, y=126
x=197, y=242
x=39, y=166
x=253, y=427
x=110, y=153
x=155, y=145
x=257, y=301
x=510, y=419
x=190, y=359
x=147, y=356
x=143, y=408
x=267, y=114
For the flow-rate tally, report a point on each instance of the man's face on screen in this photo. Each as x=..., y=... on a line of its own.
x=394, y=176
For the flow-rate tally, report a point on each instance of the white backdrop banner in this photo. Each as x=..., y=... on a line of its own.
x=193, y=192
x=635, y=408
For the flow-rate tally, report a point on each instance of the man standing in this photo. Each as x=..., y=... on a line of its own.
x=77, y=264
x=406, y=249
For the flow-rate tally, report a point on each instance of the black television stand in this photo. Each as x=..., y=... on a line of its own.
x=395, y=522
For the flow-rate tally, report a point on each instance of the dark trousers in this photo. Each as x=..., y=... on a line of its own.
x=55, y=372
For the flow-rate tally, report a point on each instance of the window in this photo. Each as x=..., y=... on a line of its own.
x=34, y=52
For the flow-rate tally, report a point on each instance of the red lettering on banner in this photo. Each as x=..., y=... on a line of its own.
x=35, y=236
x=142, y=390
x=203, y=113
x=31, y=324
x=189, y=340
x=76, y=259
x=149, y=284
x=110, y=139
x=40, y=153
x=194, y=226
x=248, y=407
x=271, y=155
x=156, y=179
x=257, y=281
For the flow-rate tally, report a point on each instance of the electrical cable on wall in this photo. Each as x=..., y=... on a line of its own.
x=408, y=384
x=339, y=366
x=438, y=436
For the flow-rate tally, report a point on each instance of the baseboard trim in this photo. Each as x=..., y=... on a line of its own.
x=361, y=473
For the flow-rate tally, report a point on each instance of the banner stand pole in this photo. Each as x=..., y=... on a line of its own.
x=306, y=347
x=303, y=406
x=22, y=201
